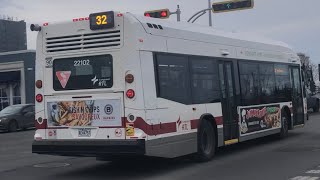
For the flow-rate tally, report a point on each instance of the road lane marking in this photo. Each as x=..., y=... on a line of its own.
x=304, y=178
x=313, y=172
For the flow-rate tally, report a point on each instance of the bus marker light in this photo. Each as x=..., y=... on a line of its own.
x=119, y=15
x=39, y=84
x=45, y=24
x=39, y=98
x=129, y=78
x=81, y=19
x=130, y=93
x=131, y=117
x=140, y=40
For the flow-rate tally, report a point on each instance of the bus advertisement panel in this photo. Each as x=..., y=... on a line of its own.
x=99, y=112
x=258, y=118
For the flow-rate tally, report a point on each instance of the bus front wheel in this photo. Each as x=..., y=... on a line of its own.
x=206, y=142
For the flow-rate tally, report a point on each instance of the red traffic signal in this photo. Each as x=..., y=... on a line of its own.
x=161, y=13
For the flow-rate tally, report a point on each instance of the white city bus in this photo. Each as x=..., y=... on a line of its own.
x=115, y=84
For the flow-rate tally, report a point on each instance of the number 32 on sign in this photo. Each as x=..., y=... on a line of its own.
x=102, y=20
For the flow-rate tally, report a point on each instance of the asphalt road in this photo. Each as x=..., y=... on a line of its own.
x=297, y=157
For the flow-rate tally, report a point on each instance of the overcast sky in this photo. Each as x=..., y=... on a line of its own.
x=294, y=22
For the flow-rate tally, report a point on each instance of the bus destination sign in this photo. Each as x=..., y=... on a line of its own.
x=102, y=20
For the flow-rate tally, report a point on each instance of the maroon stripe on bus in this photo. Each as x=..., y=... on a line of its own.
x=219, y=120
x=195, y=122
x=155, y=129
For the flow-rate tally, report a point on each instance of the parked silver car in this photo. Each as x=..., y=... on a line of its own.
x=15, y=117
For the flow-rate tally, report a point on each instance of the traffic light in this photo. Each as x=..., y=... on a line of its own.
x=232, y=5
x=161, y=13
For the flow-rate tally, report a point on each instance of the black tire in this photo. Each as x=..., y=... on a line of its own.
x=316, y=107
x=206, y=142
x=13, y=126
x=285, y=125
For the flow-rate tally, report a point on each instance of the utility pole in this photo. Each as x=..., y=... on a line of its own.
x=210, y=15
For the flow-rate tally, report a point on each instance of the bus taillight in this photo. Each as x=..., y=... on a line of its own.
x=39, y=84
x=130, y=93
x=39, y=98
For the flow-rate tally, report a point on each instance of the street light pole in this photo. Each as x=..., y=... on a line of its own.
x=200, y=12
x=177, y=12
x=210, y=15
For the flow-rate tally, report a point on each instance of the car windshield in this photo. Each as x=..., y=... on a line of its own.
x=11, y=110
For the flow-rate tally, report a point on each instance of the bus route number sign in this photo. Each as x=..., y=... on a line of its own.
x=102, y=20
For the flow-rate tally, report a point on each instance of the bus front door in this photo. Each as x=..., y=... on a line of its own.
x=228, y=102
x=297, y=97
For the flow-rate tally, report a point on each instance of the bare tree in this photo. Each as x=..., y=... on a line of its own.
x=310, y=72
x=315, y=72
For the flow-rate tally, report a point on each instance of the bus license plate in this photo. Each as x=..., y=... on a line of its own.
x=84, y=132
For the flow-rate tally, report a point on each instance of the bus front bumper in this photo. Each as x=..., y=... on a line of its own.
x=89, y=148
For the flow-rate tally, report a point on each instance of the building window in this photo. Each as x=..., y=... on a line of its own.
x=16, y=93
x=4, y=96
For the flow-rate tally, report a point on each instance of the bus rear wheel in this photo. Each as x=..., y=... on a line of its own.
x=206, y=142
x=285, y=125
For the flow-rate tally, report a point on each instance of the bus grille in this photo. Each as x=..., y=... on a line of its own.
x=108, y=39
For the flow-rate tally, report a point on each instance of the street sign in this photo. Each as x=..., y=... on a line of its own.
x=234, y=5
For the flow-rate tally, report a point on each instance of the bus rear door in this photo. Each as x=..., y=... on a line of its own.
x=228, y=102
